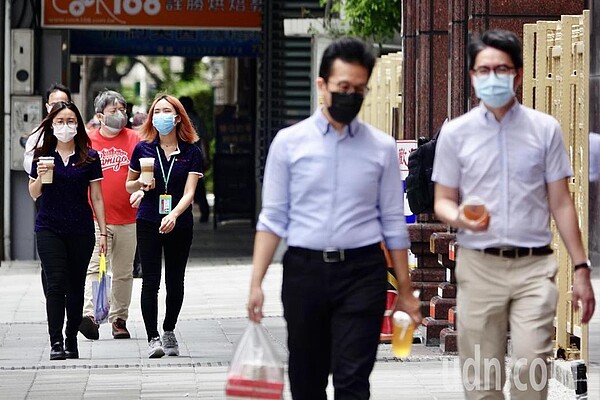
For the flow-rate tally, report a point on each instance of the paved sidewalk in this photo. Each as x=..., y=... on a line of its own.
x=212, y=320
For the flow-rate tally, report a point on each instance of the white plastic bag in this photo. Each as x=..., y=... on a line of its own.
x=255, y=371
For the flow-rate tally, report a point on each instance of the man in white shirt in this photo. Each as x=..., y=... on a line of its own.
x=513, y=158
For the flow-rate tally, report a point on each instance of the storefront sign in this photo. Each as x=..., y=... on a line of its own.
x=155, y=14
x=184, y=43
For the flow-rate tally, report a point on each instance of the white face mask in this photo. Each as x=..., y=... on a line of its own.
x=64, y=134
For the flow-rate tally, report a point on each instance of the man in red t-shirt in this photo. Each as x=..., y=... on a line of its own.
x=114, y=143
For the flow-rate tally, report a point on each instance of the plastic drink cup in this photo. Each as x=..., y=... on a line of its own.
x=474, y=209
x=49, y=163
x=147, y=166
x=402, y=337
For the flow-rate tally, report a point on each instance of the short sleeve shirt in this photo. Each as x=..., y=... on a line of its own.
x=63, y=206
x=186, y=160
x=115, y=154
x=507, y=164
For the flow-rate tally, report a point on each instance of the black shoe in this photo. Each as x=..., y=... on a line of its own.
x=71, y=350
x=89, y=327
x=57, y=352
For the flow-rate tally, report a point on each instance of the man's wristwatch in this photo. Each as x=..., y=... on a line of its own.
x=586, y=264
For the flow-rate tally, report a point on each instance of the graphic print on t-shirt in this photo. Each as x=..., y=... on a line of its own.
x=113, y=159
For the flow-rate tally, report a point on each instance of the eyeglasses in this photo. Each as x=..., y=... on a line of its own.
x=500, y=71
x=60, y=124
x=346, y=88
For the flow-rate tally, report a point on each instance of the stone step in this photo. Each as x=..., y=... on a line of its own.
x=431, y=329
x=439, y=307
x=448, y=341
x=438, y=243
x=421, y=232
x=428, y=275
x=427, y=289
x=446, y=290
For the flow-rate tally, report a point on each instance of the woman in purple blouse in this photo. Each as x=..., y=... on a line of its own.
x=164, y=219
x=64, y=223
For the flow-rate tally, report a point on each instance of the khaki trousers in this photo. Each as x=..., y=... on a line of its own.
x=493, y=294
x=119, y=263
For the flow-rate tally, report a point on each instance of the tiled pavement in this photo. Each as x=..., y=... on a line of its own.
x=212, y=319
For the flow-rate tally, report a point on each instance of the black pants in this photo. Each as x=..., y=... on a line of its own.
x=333, y=313
x=37, y=209
x=176, y=245
x=65, y=260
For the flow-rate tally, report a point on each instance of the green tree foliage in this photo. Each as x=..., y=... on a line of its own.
x=376, y=20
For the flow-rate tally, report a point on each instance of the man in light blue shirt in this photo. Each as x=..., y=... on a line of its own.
x=332, y=188
x=514, y=160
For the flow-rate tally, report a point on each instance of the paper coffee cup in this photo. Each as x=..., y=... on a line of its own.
x=147, y=167
x=49, y=175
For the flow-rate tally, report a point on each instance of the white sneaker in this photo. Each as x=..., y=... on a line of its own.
x=155, y=348
x=170, y=343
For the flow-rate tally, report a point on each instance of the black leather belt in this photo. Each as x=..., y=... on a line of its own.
x=336, y=255
x=516, y=252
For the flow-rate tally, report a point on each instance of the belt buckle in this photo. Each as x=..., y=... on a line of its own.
x=506, y=249
x=332, y=255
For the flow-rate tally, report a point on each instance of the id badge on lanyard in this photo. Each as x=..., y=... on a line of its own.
x=165, y=201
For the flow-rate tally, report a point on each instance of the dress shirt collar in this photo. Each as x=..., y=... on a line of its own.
x=324, y=126
x=488, y=116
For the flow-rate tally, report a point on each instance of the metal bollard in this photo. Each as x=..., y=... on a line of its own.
x=579, y=372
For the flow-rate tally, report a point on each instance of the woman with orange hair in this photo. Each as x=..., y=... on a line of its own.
x=164, y=217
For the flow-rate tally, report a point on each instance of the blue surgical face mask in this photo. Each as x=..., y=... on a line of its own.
x=164, y=123
x=495, y=91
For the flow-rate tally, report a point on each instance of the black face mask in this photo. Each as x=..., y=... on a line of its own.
x=345, y=106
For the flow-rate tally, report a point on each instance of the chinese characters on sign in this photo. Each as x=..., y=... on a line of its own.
x=186, y=43
x=173, y=14
x=234, y=133
x=213, y=5
x=405, y=147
